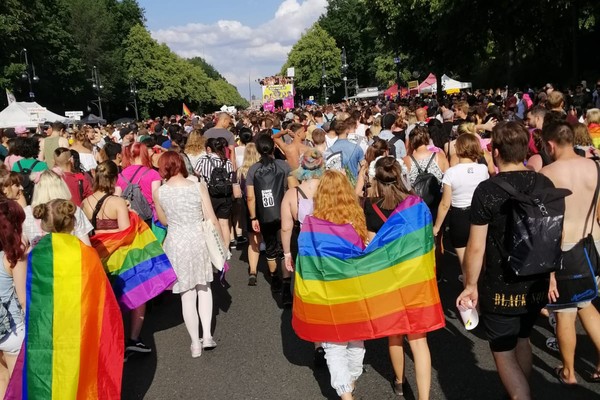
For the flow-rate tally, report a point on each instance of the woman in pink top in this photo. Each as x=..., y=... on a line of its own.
x=137, y=165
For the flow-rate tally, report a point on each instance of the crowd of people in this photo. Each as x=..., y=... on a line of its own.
x=317, y=190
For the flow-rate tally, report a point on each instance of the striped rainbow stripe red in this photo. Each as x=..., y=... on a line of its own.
x=73, y=346
x=135, y=262
x=344, y=291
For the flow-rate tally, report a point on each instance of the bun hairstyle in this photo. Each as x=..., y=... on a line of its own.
x=388, y=182
x=57, y=216
x=107, y=173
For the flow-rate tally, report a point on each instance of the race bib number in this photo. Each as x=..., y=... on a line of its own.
x=267, y=198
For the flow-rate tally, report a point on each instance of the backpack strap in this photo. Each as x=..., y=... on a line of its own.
x=35, y=162
x=379, y=212
x=301, y=193
x=97, y=209
x=416, y=164
x=594, y=205
x=508, y=188
x=80, y=186
x=429, y=163
x=130, y=182
x=18, y=164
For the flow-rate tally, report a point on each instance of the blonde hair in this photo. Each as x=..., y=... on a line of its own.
x=251, y=157
x=196, y=143
x=50, y=186
x=335, y=201
x=467, y=127
x=592, y=116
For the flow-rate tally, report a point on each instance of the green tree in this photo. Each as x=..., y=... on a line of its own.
x=313, y=50
x=208, y=69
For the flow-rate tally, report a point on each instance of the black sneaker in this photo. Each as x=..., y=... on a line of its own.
x=319, y=358
x=286, y=295
x=137, y=346
x=233, y=244
x=252, y=280
x=275, y=284
x=242, y=240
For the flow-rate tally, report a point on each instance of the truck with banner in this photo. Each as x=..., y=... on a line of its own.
x=277, y=93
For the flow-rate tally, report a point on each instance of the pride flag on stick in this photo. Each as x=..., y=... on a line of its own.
x=73, y=347
x=345, y=292
x=135, y=262
x=186, y=110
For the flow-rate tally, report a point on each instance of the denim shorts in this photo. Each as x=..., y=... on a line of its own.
x=11, y=342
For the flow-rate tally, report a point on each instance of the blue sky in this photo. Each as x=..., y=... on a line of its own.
x=242, y=38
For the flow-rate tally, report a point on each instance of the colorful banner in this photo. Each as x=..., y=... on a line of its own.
x=346, y=292
x=74, y=342
x=278, y=92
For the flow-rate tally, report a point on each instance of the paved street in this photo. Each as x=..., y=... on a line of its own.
x=259, y=357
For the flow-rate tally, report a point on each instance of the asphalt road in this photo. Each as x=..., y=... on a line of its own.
x=259, y=356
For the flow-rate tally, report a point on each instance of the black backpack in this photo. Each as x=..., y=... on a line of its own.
x=426, y=185
x=27, y=184
x=536, y=225
x=219, y=184
x=269, y=188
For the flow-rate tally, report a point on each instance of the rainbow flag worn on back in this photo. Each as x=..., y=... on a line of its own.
x=135, y=262
x=345, y=292
x=186, y=110
x=74, y=342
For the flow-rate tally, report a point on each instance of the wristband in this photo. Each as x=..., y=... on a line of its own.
x=287, y=254
x=253, y=219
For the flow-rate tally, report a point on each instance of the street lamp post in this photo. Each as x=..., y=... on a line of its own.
x=345, y=72
x=29, y=74
x=133, y=91
x=323, y=77
x=97, y=84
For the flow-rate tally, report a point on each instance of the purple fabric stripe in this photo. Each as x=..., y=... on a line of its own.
x=147, y=290
x=17, y=381
x=409, y=202
x=345, y=231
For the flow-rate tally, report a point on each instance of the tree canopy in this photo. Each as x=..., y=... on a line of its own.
x=314, y=49
x=502, y=43
x=65, y=39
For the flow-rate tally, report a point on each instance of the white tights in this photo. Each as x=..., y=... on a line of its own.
x=190, y=311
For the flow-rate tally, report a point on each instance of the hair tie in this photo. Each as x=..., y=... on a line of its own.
x=386, y=182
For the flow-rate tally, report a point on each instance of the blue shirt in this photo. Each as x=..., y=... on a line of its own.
x=351, y=156
x=387, y=135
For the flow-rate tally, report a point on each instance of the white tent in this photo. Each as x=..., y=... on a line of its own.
x=451, y=84
x=366, y=93
x=27, y=114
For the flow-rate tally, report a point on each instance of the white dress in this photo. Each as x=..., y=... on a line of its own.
x=185, y=244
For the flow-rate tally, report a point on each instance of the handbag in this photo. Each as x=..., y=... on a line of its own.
x=217, y=252
x=576, y=278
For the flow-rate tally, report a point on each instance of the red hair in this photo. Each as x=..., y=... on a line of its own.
x=171, y=164
x=130, y=153
x=11, y=228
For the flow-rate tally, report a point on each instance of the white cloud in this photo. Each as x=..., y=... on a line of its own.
x=237, y=50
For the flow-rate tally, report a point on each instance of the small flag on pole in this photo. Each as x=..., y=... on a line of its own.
x=186, y=110
x=11, y=97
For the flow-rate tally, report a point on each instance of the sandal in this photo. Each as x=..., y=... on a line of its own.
x=594, y=377
x=558, y=373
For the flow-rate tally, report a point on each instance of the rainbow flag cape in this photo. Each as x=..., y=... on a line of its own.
x=186, y=110
x=74, y=342
x=345, y=292
x=135, y=262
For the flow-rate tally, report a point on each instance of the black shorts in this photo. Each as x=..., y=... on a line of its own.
x=222, y=206
x=271, y=235
x=504, y=330
x=458, y=222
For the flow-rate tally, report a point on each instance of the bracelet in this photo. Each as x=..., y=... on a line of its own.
x=287, y=254
x=253, y=219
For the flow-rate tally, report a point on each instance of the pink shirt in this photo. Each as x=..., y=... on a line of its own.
x=145, y=181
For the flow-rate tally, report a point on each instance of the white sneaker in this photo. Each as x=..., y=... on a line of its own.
x=209, y=344
x=196, y=350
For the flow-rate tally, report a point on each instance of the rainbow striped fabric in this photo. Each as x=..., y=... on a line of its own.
x=345, y=292
x=74, y=341
x=135, y=262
